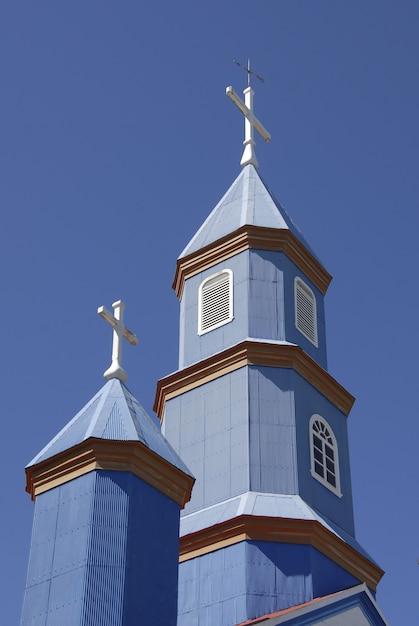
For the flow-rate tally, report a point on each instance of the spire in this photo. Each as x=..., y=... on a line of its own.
x=250, y=122
x=119, y=330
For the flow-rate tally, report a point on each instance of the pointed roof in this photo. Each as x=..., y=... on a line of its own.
x=113, y=414
x=248, y=202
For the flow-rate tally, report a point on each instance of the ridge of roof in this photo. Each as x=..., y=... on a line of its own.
x=248, y=201
x=113, y=414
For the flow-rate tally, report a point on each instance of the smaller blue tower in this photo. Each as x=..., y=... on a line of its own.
x=108, y=491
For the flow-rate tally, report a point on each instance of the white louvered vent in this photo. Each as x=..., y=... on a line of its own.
x=305, y=311
x=215, y=301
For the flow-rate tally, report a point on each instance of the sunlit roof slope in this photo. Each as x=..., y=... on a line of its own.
x=247, y=202
x=113, y=414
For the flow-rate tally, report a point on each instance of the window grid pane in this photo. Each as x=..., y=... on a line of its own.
x=324, y=453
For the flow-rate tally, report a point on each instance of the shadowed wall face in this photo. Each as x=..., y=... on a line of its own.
x=234, y=584
x=93, y=554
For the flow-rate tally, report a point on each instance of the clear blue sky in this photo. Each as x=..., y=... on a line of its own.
x=117, y=140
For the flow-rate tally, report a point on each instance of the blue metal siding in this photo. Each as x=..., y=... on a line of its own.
x=291, y=271
x=273, y=456
x=249, y=430
x=327, y=575
x=250, y=579
x=208, y=427
x=307, y=402
x=212, y=588
x=194, y=347
x=92, y=544
x=113, y=413
x=266, y=295
x=263, y=305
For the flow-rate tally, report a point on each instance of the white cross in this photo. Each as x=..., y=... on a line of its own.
x=119, y=330
x=250, y=122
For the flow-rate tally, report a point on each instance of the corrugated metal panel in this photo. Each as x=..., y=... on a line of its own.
x=307, y=402
x=115, y=427
x=100, y=532
x=233, y=572
x=115, y=414
x=65, y=602
x=34, y=603
x=266, y=297
x=273, y=457
x=292, y=334
x=208, y=426
x=43, y=533
x=72, y=433
x=254, y=578
x=195, y=347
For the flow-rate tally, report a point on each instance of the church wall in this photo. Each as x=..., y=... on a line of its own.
x=273, y=455
x=266, y=295
x=253, y=578
x=309, y=401
x=291, y=271
x=263, y=307
x=194, y=347
x=208, y=428
x=88, y=536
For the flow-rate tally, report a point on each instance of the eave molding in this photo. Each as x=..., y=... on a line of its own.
x=257, y=238
x=252, y=353
x=281, y=530
x=104, y=454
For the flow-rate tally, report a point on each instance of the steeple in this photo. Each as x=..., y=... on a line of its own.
x=108, y=490
x=256, y=415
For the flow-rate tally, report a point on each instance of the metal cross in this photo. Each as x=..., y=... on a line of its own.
x=250, y=121
x=119, y=330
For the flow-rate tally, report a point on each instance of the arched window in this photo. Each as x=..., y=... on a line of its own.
x=305, y=311
x=215, y=301
x=324, y=454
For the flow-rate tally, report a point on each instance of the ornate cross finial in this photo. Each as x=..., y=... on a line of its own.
x=250, y=121
x=119, y=330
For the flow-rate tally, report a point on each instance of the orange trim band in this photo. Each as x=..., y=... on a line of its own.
x=252, y=353
x=103, y=454
x=281, y=530
x=256, y=238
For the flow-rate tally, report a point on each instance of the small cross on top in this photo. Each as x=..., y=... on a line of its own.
x=250, y=121
x=119, y=330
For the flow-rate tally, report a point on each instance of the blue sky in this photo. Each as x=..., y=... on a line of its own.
x=117, y=140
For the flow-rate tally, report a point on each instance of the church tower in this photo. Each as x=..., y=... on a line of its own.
x=108, y=490
x=256, y=416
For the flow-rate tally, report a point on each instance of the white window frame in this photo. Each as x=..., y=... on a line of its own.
x=323, y=458
x=299, y=284
x=226, y=320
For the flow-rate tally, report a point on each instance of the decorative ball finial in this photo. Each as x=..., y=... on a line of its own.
x=119, y=330
x=250, y=121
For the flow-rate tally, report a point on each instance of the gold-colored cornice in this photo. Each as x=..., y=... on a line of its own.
x=104, y=454
x=252, y=353
x=281, y=530
x=257, y=238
